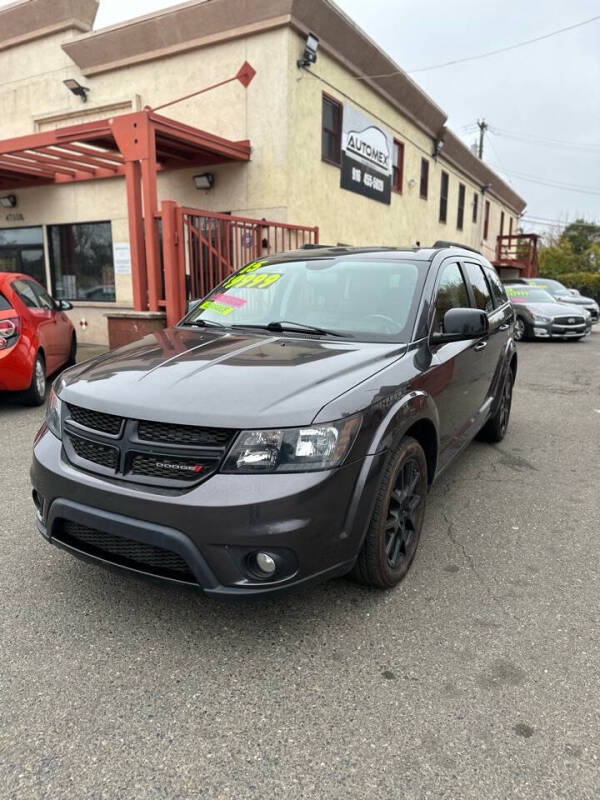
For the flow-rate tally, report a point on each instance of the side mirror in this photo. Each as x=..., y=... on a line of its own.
x=462, y=323
x=63, y=305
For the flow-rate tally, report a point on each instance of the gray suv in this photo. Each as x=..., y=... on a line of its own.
x=287, y=429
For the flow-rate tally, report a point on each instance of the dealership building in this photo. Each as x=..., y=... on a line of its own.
x=103, y=176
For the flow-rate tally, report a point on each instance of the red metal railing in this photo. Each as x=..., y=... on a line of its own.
x=201, y=248
x=518, y=250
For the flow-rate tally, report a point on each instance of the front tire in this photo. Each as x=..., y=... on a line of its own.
x=36, y=394
x=521, y=330
x=395, y=528
x=72, y=353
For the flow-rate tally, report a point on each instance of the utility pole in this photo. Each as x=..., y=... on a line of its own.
x=482, y=125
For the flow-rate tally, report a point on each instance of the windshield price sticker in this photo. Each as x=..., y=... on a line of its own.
x=229, y=300
x=218, y=308
x=517, y=292
x=249, y=280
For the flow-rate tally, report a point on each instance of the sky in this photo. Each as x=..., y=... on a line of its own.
x=545, y=91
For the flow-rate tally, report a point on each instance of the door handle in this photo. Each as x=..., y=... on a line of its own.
x=480, y=346
x=504, y=327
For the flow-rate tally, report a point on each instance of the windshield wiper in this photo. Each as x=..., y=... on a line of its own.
x=203, y=323
x=284, y=325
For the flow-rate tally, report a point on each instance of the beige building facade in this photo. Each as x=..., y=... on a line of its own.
x=68, y=235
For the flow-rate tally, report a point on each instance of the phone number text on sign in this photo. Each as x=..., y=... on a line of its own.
x=369, y=180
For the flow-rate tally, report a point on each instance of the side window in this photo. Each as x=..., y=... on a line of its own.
x=43, y=298
x=4, y=304
x=25, y=291
x=479, y=284
x=452, y=293
x=498, y=291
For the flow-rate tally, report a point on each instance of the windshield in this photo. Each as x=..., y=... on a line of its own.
x=366, y=299
x=528, y=294
x=555, y=288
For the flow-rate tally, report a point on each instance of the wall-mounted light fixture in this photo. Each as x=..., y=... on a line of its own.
x=8, y=201
x=204, y=181
x=412, y=183
x=309, y=56
x=77, y=89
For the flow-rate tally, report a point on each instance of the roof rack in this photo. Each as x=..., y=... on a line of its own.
x=442, y=243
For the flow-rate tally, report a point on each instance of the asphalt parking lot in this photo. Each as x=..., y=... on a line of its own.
x=477, y=678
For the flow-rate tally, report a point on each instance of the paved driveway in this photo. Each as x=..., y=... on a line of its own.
x=478, y=678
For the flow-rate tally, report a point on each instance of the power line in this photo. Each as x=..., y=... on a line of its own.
x=570, y=187
x=488, y=53
x=521, y=137
x=558, y=222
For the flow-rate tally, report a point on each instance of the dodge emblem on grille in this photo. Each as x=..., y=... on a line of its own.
x=571, y=320
x=181, y=467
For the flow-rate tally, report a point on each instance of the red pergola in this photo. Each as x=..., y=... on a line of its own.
x=136, y=146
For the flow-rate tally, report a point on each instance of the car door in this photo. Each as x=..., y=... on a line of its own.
x=494, y=345
x=63, y=328
x=42, y=319
x=455, y=374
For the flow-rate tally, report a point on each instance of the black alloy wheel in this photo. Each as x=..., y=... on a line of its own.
x=393, y=535
x=401, y=529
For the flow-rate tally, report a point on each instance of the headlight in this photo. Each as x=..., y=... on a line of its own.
x=54, y=414
x=540, y=318
x=293, y=449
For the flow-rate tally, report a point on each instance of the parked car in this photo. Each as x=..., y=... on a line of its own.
x=563, y=295
x=287, y=429
x=36, y=337
x=539, y=316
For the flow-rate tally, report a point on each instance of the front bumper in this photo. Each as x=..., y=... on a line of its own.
x=551, y=330
x=313, y=522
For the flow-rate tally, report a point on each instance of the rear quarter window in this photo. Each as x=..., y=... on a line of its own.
x=4, y=304
x=498, y=291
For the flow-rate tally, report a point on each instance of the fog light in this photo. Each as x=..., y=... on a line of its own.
x=265, y=563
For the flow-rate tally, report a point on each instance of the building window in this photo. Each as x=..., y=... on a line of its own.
x=22, y=250
x=331, y=139
x=444, y=197
x=502, y=223
x=81, y=261
x=424, y=185
x=486, y=220
x=460, y=218
x=510, y=226
x=475, y=206
x=398, y=166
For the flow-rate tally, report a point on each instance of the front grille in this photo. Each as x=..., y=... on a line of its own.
x=101, y=454
x=124, y=552
x=105, y=423
x=172, y=467
x=574, y=320
x=144, y=452
x=183, y=434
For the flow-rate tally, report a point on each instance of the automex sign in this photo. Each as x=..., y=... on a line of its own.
x=366, y=157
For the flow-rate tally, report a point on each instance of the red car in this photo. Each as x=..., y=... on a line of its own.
x=36, y=336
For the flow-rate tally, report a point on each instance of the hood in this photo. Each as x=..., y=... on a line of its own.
x=552, y=309
x=229, y=380
x=577, y=300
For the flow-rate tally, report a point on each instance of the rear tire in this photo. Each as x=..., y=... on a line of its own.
x=395, y=528
x=36, y=394
x=495, y=428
